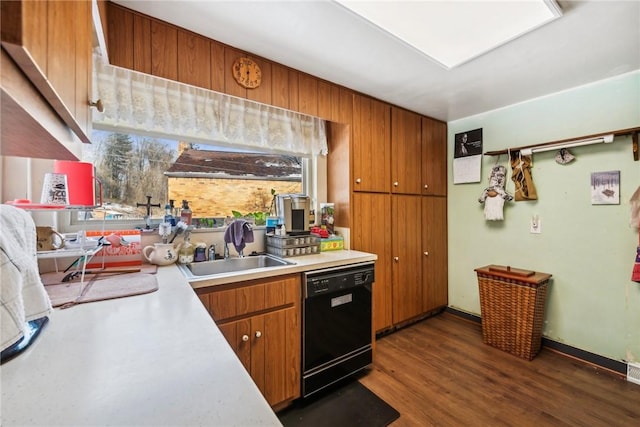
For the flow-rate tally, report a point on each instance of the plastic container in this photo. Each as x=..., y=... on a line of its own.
x=286, y=246
x=81, y=182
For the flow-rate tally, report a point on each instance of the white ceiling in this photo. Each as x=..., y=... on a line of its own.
x=593, y=40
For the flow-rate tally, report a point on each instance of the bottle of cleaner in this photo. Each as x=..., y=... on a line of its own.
x=185, y=213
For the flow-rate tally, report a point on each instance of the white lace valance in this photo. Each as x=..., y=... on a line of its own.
x=138, y=102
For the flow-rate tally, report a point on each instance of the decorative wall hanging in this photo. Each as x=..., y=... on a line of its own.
x=634, y=202
x=564, y=156
x=467, y=157
x=521, y=176
x=605, y=188
x=635, y=272
x=495, y=195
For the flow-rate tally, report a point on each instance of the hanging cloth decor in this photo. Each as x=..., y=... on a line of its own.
x=521, y=176
x=634, y=202
x=635, y=273
x=495, y=195
x=141, y=103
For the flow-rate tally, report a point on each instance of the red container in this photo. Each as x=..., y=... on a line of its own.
x=81, y=181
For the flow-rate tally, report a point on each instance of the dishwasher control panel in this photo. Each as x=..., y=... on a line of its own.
x=335, y=279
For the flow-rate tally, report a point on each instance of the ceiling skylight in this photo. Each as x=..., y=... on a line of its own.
x=455, y=32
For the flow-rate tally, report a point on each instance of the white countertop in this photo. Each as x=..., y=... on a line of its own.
x=153, y=359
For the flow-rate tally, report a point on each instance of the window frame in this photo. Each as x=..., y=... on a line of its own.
x=73, y=224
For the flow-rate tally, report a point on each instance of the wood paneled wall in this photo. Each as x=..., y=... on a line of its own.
x=145, y=44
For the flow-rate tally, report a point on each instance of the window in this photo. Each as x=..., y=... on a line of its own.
x=140, y=172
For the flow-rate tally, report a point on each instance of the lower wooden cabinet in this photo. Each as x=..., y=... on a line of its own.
x=261, y=320
x=409, y=235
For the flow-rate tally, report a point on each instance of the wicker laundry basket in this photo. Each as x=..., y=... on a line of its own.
x=512, y=305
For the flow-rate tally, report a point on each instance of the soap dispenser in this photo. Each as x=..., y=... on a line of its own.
x=185, y=214
x=187, y=250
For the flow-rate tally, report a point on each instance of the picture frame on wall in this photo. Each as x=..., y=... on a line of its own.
x=605, y=188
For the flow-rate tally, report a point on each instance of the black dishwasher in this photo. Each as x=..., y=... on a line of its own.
x=337, y=324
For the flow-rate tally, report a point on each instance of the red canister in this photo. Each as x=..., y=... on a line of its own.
x=81, y=181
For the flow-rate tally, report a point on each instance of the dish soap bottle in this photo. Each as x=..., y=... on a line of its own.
x=168, y=216
x=185, y=254
x=185, y=213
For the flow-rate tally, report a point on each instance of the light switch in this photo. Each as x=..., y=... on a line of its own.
x=536, y=225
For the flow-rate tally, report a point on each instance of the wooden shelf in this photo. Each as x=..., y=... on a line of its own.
x=621, y=132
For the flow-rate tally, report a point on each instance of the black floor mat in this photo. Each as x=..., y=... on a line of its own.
x=351, y=404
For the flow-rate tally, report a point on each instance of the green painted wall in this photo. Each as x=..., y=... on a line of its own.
x=592, y=303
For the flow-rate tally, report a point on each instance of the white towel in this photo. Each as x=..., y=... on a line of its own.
x=22, y=294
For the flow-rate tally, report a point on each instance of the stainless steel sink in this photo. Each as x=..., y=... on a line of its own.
x=233, y=265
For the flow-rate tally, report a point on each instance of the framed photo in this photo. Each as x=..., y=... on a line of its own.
x=605, y=188
x=468, y=143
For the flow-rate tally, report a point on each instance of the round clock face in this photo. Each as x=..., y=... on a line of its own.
x=247, y=73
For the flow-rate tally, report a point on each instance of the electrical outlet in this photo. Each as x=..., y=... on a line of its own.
x=536, y=225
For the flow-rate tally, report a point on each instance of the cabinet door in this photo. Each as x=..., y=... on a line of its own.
x=370, y=233
x=407, y=257
x=279, y=347
x=406, y=155
x=371, y=145
x=434, y=157
x=53, y=54
x=434, y=260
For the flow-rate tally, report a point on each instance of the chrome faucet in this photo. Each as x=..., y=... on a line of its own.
x=226, y=250
x=212, y=252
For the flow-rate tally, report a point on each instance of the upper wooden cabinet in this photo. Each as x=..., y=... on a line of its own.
x=371, y=145
x=406, y=154
x=434, y=157
x=50, y=41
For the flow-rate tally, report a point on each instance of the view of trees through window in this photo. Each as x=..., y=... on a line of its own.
x=217, y=182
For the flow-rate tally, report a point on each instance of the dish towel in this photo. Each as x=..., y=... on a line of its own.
x=239, y=232
x=22, y=294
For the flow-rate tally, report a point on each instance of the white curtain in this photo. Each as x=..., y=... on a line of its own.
x=140, y=103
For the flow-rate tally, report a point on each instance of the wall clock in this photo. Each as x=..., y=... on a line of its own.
x=247, y=73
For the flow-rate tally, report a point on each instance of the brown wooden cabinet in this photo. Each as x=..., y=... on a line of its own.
x=51, y=42
x=261, y=320
x=371, y=233
x=434, y=157
x=371, y=145
x=435, y=293
x=406, y=237
x=406, y=152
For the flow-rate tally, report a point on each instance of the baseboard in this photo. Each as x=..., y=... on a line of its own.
x=613, y=366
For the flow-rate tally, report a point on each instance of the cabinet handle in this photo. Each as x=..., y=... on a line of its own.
x=358, y=180
x=98, y=104
x=396, y=259
x=245, y=338
x=258, y=334
x=426, y=254
x=395, y=184
x=426, y=186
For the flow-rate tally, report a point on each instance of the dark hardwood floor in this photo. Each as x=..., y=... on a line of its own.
x=438, y=372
